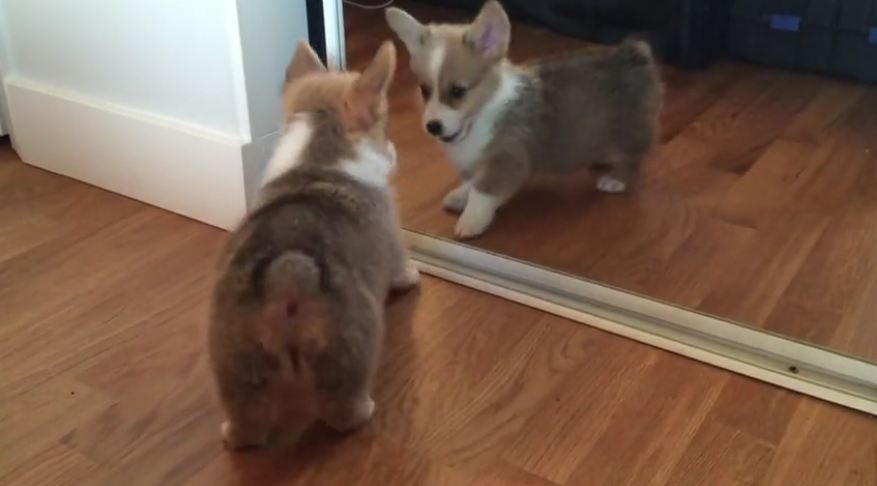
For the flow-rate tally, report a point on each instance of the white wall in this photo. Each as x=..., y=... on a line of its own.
x=162, y=56
x=4, y=63
x=269, y=31
x=175, y=102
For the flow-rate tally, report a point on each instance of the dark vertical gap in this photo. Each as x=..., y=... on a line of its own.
x=317, y=28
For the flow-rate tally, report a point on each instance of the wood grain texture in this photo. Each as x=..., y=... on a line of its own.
x=104, y=380
x=763, y=189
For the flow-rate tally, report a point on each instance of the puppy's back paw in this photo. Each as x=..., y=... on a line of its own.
x=350, y=415
x=610, y=185
x=455, y=201
x=235, y=439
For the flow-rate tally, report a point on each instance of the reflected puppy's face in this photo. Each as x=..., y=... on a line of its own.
x=456, y=66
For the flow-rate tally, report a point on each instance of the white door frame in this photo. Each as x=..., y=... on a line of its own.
x=4, y=61
x=333, y=22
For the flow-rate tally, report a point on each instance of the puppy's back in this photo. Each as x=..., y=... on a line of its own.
x=606, y=98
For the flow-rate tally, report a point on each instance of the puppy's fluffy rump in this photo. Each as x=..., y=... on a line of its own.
x=292, y=274
x=296, y=315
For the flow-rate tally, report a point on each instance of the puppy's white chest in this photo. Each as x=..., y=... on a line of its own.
x=466, y=154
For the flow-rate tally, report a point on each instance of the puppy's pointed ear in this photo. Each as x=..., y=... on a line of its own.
x=305, y=61
x=367, y=98
x=410, y=30
x=491, y=31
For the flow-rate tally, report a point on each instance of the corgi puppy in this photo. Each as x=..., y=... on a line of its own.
x=296, y=318
x=500, y=123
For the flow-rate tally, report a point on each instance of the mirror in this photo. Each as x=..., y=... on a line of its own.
x=757, y=203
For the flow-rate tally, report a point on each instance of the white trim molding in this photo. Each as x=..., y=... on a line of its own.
x=162, y=161
x=333, y=22
x=754, y=353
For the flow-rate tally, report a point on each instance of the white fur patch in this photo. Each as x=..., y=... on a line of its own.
x=478, y=215
x=368, y=408
x=607, y=183
x=371, y=166
x=409, y=278
x=433, y=108
x=289, y=149
x=456, y=200
x=467, y=152
x=436, y=58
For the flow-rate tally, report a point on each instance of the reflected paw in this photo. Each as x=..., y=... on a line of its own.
x=472, y=224
x=611, y=185
x=455, y=201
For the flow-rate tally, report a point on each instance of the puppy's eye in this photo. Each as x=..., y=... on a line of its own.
x=457, y=91
x=425, y=91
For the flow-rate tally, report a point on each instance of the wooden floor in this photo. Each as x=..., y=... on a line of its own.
x=103, y=379
x=760, y=205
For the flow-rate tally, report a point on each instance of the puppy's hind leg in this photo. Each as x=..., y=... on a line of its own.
x=344, y=368
x=622, y=170
x=349, y=414
x=250, y=420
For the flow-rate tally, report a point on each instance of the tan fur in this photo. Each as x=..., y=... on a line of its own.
x=597, y=108
x=296, y=317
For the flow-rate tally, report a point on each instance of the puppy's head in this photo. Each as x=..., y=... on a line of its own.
x=354, y=104
x=456, y=66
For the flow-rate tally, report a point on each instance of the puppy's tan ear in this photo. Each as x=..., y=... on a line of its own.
x=410, y=30
x=304, y=61
x=378, y=76
x=490, y=32
x=367, y=98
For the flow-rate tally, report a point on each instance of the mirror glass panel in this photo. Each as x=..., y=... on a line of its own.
x=757, y=202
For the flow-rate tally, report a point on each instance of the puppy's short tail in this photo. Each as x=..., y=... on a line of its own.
x=291, y=276
x=637, y=51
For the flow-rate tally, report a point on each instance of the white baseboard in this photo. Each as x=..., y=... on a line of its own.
x=165, y=162
x=4, y=130
x=256, y=155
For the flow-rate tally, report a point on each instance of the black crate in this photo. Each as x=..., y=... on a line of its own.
x=688, y=33
x=837, y=37
x=855, y=53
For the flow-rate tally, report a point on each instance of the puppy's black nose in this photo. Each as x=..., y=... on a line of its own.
x=434, y=127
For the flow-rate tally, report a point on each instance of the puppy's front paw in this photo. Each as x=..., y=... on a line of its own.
x=234, y=440
x=478, y=215
x=611, y=185
x=409, y=278
x=455, y=201
x=368, y=410
x=350, y=416
x=472, y=224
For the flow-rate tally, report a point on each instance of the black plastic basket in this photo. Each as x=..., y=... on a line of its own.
x=837, y=37
x=855, y=53
x=688, y=33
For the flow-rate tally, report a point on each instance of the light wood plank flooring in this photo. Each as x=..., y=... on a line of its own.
x=103, y=379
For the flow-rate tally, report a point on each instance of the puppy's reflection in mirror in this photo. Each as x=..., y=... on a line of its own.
x=501, y=123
